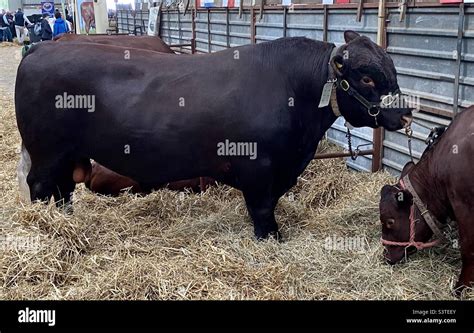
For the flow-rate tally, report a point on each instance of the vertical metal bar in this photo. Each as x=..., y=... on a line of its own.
x=360, y=8
x=325, y=23
x=179, y=26
x=193, y=30
x=160, y=12
x=378, y=134
x=285, y=13
x=169, y=24
x=458, y=60
x=208, y=30
x=227, y=27
x=252, y=24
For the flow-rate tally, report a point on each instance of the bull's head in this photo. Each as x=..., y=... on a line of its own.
x=367, y=90
x=396, y=205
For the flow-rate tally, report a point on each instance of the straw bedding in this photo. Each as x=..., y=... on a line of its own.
x=171, y=245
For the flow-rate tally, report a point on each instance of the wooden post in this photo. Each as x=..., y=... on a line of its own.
x=378, y=134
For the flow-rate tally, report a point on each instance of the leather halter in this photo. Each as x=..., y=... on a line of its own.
x=430, y=220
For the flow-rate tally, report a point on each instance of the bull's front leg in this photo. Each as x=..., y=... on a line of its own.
x=257, y=187
x=261, y=207
x=466, y=237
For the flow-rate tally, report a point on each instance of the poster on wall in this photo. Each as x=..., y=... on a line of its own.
x=154, y=21
x=47, y=7
x=85, y=11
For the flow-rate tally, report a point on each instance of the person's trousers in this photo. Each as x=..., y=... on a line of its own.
x=5, y=34
x=20, y=33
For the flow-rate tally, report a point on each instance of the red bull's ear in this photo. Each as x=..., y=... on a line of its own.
x=350, y=35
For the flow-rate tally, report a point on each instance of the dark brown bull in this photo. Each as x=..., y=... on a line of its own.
x=98, y=178
x=441, y=186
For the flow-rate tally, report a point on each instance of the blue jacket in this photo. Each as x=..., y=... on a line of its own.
x=60, y=27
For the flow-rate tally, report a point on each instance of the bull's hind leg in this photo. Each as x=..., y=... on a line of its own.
x=51, y=179
x=64, y=187
x=41, y=184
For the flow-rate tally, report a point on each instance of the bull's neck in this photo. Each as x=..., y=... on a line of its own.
x=427, y=183
x=305, y=66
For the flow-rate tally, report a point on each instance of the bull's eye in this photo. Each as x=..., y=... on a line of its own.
x=368, y=81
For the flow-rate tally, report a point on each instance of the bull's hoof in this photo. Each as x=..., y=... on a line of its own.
x=269, y=235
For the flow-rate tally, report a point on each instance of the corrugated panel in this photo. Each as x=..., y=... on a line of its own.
x=466, y=89
x=201, y=31
x=269, y=27
x=423, y=48
x=396, y=152
x=307, y=23
x=176, y=28
x=239, y=28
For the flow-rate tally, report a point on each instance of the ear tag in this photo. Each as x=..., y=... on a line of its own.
x=326, y=94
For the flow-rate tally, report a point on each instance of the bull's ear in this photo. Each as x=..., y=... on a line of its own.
x=350, y=35
x=403, y=198
x=337, y=63
x=407, y=168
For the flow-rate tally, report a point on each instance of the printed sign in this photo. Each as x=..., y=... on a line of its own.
x=47, y=7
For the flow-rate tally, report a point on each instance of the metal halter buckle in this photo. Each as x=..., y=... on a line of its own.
x=344, y=85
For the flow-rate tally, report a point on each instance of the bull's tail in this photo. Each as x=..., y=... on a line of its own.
x=23, y=169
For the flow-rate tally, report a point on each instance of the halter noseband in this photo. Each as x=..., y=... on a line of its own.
x=430, y=220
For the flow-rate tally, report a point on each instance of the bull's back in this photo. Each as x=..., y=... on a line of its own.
x=173, y=117
x=151, y=43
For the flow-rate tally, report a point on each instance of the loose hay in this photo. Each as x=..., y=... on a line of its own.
x=170, y=245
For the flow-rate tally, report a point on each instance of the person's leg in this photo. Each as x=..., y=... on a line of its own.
x=8, y=34
x=18, y=30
